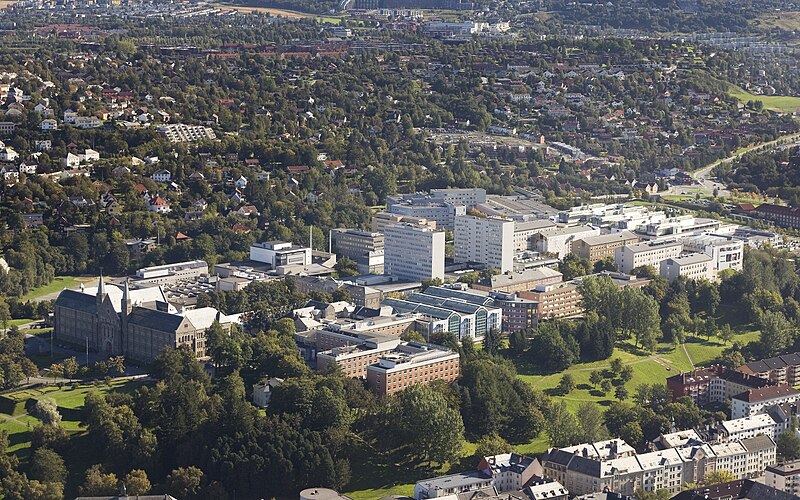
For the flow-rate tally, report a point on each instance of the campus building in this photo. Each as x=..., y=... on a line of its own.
x=695, y=266
x=412, y=363
x=484, y=240
x=365, y=248
x=646, y=253
x=413, y=253
x=594, y=248
x=138, y=324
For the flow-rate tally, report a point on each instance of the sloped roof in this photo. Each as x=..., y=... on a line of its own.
x=156, y=320
x=74, y=299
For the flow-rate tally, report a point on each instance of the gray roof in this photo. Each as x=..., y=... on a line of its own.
x=758, y=443
x=609, y=238
x=456, y=481
x=73, y=299
x=157, y=320
x=585, y=466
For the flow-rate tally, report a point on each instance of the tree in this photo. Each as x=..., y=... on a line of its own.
x=98, y=483
x=725, y=334
x=69, y=367
x=47, y=411
x=566, y=384
x=631, y=433
x=775, y=333
x=518, y=341
x=562, y=426
x=732, y=357
x=137, y=483
x=605, y=386
x=184, y=482
x=492, y=341
x=718, y=476
x=621, y=393
x=596, y=377
x=444, y=429
x=573, y=266
x=592, y=427
x=491, y=444
x=788, y=443
x=47, y=466
x=552, y=350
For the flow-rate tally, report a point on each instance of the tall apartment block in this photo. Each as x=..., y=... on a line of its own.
x=413, y=253
x=488, y=241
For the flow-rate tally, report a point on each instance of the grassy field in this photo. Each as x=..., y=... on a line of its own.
x=58, y=284
x=16, y=420
x=780, y=103
x=786, y=21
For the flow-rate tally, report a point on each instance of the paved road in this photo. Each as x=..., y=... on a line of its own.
x=703, y=176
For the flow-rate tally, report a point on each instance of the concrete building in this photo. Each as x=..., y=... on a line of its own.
x=784, y=477
x=756, y=401
x=695, y=266
x=646, y=253
x=726, y=252
x=487, y=241
x=433, y=208
x=750, y=427
x=676, y=227
x=558, y=240
x=382, y=219
x=524, y=232
x=170, y=273
x=595, y=248
x=746, y=489
x=280, y=253
x=413, y=253
x=519, y=281
x=365, y=248
x=412, y=363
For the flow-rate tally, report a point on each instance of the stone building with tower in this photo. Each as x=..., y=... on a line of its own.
x=136, y=323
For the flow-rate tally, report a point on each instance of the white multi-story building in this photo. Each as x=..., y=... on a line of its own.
x=694, y=266
x=726, y=252
x=756, y=401
x=524, y=231
x=488, y=241
x=280, y=253
x=413, y=253
x=646, y=253
x=558, y=240
x=670, y=469
x=749, y=427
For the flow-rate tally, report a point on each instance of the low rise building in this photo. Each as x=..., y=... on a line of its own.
x=715, y=384
x=646, y=253
x=695, y=266
x=783, y=369
x=595, y=248
x=784, y=477
x=669, y=469
x=353, y=360
x=519, y=281
x=755, y=401
x=412, y=363
x=170, y=273
x=524, y=231
x=280, y=253
x=382, y=219
x=780, y=215
x=558, y=240
x=726, y=252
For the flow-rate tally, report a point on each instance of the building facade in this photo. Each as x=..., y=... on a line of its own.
x=413, y=253
x=107, y=321
x=595, y=248
x=484, y=240
x=646, y=253
x=696, y=266
x=365, y=248
x=412, y=363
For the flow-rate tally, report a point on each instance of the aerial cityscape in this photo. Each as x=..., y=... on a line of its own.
x=400, y=249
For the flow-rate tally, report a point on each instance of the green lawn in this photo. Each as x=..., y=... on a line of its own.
x=780, y=103
x=14, y=417
x=58, y=284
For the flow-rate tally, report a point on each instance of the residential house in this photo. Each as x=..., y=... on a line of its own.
x=162, y=175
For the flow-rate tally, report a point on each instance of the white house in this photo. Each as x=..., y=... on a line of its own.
x=162, y=175
x=49, y=124
x=241, y=182
x=72, y=160
x=90, y=155
x=70, y=116
x=8, y=154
